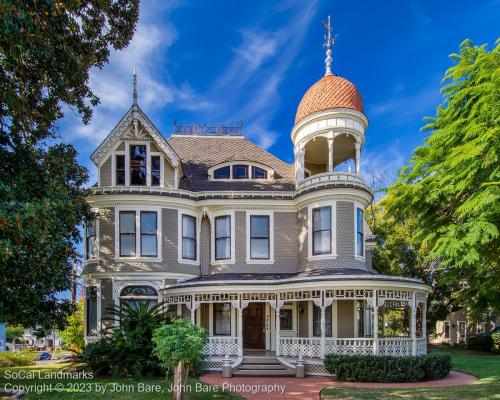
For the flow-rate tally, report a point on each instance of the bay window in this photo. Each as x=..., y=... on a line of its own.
x=91, y=310
x=148, y=234
x=259, y=237
x=127, y=233
x=188, y=237
x=360, y=236
x=223, y=237
x=322, y=230
x=90, y=242
x=138, y=234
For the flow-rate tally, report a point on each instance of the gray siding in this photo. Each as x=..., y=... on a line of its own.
x=303, y=319
x=106, y=302
x=345, y=318
x=205, y=245
x=345, y=240
x=168, y=174
x=105, y=173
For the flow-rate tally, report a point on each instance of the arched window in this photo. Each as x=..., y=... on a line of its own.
x=139, y=294
x=239, y=170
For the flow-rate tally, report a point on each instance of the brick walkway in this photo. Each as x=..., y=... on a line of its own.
x=310, y=387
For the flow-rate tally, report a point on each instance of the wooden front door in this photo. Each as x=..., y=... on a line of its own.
x=254, y=326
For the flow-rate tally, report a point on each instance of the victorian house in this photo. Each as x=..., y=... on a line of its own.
x=272, y=259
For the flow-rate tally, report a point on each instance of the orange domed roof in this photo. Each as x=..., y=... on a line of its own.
x=331, y=91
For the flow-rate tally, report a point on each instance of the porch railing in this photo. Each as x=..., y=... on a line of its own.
x=221, y=346
x=299, y=346
x=421, y=346
x=359, y=346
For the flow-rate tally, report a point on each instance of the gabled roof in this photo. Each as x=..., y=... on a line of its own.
x=133, y=115
x=199, y=153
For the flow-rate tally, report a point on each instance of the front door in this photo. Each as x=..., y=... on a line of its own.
x=254, y=326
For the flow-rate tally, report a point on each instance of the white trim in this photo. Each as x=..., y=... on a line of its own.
x=162, y=167
x=180, y=259
x=113, y=166
x=137, y=210
x=333, y=245
x=356, y=256
x=270, y=260
x=97, y=249
x=232, y=259
x=250, y=164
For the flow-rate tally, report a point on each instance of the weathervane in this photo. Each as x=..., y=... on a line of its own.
x=328, y=44
x=134, y=93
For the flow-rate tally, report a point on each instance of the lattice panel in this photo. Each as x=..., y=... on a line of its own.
x=395, y=347
x=421, y=346
x=316, y=369
x=296, y=347
x=300, y=295
x=258, y=296
x=212, y=365
x=349, y=346
x=395, y=294
x=221, y=346
x=215, y=297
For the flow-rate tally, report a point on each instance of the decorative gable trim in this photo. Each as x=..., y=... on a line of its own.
x=134, y=116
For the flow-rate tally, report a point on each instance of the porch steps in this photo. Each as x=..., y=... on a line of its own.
x=262, y=366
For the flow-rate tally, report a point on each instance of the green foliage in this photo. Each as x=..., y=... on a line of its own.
x=73, y=335
x=480, y=342
x=179, y=341
x=449, y=193
x=17, y=359
x=47, y=49
x=495, y=345
x=128, y=349
x=388, y=369
x=13, y=332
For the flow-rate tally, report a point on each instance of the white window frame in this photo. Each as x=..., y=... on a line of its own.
x=333, y=254
x=231, y=260
x=270, y=260
x=150, y=165
x=356, y=256
x=137, y=210
x=180, y=259
x=449, y=330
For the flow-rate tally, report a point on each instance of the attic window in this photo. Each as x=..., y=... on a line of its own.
x=240, y=171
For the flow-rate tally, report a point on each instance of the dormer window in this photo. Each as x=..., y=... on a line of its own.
x=155, y=170
x=240, y=171
x=223, y=173
x=138, y=165
x=120, y=169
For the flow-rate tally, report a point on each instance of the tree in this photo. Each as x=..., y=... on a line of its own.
x=13, y=332
x=47, y=50
x=179, y=347
x=450, y=192
x=73, y=335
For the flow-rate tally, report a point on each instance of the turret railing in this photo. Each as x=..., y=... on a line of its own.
x=347, y=178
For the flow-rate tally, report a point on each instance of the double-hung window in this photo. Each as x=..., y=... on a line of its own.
x=146, y=242
x=127, y=234
x=149, y=242
x=120, y=169
x=322, y=230
x=259, y=237
x=90, y=235
x=223, y=237
x=155, y=170
x=360, y=237
x=188, y=237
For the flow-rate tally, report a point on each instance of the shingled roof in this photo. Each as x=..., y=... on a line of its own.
x=199, y=153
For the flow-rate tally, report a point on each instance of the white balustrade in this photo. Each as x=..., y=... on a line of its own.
x=299, y=346
x=358, y=346
x=221, y=346
x=421, y=346
x=396, y=346
x=335, y=177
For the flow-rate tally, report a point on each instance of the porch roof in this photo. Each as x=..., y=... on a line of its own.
x=336, y=274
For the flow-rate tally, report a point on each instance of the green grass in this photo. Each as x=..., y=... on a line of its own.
x=482, y=365
x=100, y=388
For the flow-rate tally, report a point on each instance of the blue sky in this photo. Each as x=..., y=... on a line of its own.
x=225, y=61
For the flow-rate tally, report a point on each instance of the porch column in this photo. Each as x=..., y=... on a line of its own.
x=330, y=152
x=322, y=340
x=357, y=146
x=240, y=331
x=277, y=311
x=193, y=314
x=179, y=310
x=300, y=163
x=413, y=326
x=424, y=320
x=375, y=328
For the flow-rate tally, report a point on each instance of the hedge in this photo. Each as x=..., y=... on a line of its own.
x=388, y=369
x=18, y=359
x=480, y=342
x=495, y=345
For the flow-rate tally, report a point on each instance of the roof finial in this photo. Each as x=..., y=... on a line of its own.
x=328, y=44
x=134, y=93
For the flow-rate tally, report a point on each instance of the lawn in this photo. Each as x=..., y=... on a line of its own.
x=92, y=389
x=482, y=365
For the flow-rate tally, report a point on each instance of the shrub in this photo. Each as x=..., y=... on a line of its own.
x=388, y=369
x=128, y=349
x=495, y=345
x=481, y=342
x=17, y=359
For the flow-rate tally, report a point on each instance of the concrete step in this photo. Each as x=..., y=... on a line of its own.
x=263, y=372
x=262, y=366
x=259, y=360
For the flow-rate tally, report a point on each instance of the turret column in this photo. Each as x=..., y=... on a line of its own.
x=330, y=152
x=357, y=146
